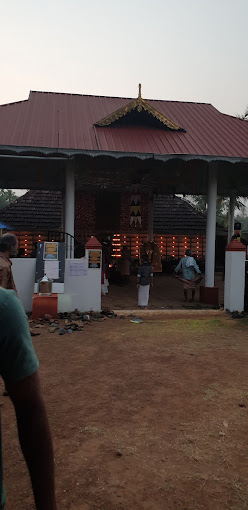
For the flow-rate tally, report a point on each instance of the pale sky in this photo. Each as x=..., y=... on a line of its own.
x=184, y=50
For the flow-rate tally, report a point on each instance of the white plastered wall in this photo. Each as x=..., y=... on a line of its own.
x=24, y=277
x=81, y=292
x=234, y=281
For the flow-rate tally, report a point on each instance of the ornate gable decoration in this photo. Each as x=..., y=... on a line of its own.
x=139, y=105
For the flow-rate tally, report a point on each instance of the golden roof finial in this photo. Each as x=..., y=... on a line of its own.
x=138, y=104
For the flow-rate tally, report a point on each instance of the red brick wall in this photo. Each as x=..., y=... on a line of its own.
x=84, y=214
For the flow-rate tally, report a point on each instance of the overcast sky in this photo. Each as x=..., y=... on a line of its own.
x=185, y=50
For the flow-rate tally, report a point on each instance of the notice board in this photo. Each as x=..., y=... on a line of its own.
x=94, y=259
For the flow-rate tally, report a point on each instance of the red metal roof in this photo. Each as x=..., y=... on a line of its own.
x=66, y=121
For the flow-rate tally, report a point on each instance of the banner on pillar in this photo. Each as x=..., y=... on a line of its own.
x=135, y=205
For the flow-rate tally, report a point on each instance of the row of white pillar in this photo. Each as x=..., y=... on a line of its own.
x=211, y=218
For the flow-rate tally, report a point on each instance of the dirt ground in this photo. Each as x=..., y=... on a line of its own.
x=149, y=416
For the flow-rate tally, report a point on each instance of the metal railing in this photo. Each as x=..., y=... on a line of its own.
x=73, y=247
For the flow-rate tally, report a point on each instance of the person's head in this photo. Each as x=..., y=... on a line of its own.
x=8, y=244
x=21, y=252
x=188, y=253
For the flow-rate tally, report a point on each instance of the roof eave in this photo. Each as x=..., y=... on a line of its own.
x=64, y=153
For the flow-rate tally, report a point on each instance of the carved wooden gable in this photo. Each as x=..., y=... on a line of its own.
x=138, y=112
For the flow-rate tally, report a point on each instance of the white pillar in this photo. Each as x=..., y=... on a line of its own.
x=69, y=209
x=150, y=219
x=211, y=226
x=235, y=276
x=231, y=217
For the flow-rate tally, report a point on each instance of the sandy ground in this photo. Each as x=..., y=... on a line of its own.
x=167, y=293
x=143, y=416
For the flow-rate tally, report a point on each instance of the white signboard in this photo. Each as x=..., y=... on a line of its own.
x=51, y=269
x=78, y=268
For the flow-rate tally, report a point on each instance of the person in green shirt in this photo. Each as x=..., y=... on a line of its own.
x=18, y=368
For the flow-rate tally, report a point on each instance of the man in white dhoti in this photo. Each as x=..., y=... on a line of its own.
x=144, y=281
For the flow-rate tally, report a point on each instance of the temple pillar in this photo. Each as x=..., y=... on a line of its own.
x=231, y=209
x=211, y=227
x=69, y=208
x=209, y=293
x=150, y=219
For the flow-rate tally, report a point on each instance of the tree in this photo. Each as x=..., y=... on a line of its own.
x=6, y=197
x=243, y=219
x=200, y=202
x=244, y=116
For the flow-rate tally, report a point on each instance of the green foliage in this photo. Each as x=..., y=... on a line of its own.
x=245, y=115
x=6, y=197
x=243, y=219
x=200, y=202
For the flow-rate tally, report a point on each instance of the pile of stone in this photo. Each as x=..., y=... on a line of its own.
x=69, y=322
x=88, y=316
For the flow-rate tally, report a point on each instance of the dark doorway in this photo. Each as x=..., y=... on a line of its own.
x=108, y=206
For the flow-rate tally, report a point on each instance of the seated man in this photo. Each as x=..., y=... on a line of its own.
x=18, y=368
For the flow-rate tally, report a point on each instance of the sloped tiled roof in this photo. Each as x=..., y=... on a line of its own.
x=67, y=121
x=36, y=210
x=42, y=210
x=174, y=214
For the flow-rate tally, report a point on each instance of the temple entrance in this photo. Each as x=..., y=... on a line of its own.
x=166, y=294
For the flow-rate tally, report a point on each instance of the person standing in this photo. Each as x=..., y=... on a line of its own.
x=33, y=253
x=189, y=267
x=144, y=281
x=21, y=253
x=125, y=265
x=18, y=368
x=8, y=248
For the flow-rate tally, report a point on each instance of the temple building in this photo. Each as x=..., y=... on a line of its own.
x=117, y=155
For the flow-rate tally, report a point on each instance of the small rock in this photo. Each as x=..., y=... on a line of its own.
x=106, y=311
x=118, y=454
x=61, y=331
x=34, y=333
x=241, y=404
x=69, y=330
x=52, y=329
x=112, y=315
